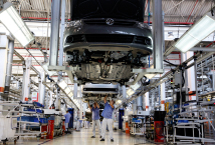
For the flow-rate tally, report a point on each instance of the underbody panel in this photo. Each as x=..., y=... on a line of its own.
x=100, y=73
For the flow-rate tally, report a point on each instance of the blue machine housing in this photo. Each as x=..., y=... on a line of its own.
x=71, y=111
x=121, y=114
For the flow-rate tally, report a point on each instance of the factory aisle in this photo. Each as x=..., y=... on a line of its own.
x=84, y=138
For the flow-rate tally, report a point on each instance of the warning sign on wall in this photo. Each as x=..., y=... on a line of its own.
x=35, y=96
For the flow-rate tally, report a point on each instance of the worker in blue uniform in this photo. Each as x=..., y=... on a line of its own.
x=67, y=119
x=107, y=120
x=95, y=118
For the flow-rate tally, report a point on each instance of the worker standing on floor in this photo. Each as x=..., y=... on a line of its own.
x=67, y=119
x=95, y=118
x=107, y=120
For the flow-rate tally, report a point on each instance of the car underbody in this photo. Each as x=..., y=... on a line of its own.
x=105, y=67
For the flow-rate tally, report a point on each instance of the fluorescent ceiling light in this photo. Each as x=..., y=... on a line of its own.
x=118, y=102
x=62, y=84
x=135, y=87
x=132, y=89
x=71, y=95
x=204, y=27
x=127, y=96
x=15, y=25
x=67, y=90
x=130, y=92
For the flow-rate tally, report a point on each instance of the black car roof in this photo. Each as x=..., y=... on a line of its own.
x=119, y=9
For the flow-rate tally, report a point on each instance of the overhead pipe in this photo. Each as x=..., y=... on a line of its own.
x=158, y=36
x=63, y=5
x=55, y=27
x=9, y=66
x=30, y=48
x=147, y=104
x=42, y=88
x=62, y=28
x=204, y=49
x=179, y=23
x=140, y=103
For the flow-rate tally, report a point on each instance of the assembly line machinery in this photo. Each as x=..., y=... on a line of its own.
x=190, y=115
x=187, y=111
x=25, y=119
x=27, y=115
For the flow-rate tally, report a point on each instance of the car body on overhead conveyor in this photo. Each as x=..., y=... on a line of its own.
x=105, y=40
x=97, y=92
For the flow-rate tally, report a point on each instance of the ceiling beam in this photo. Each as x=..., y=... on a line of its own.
x=21, y=75
x=17, y=61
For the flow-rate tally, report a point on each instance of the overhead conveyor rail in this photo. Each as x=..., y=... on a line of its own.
x=21, y=58
x=164, y=78
x=36, y=71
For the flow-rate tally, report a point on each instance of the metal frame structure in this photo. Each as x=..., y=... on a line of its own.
x=165, y=77
x=20, y=129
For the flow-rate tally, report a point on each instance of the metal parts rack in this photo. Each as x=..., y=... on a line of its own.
x=27, y=115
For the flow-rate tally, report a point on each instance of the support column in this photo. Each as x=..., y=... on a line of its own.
x=63, y=7
x=58, y=100
x=158, y=37
x=55, y=27
x=153, y=101
x=81, y=109
x=9, y=66
x=3, y=56
x=163, y=96
x=190, y=72
x=189, y=77
x=134, y=106
x=139, y=103
x=196, y=86
x=158, y=97
x=50, y=99
x=184, y=58
x=26, y=79
x=121, y=114
x=62, y=28
x=124, y=92
x=147, y=101
x=75, y=91
x=42, y=89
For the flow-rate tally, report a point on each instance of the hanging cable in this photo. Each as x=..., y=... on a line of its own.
x=170, y=63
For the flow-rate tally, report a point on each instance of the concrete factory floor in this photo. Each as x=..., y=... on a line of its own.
x=84, y=138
